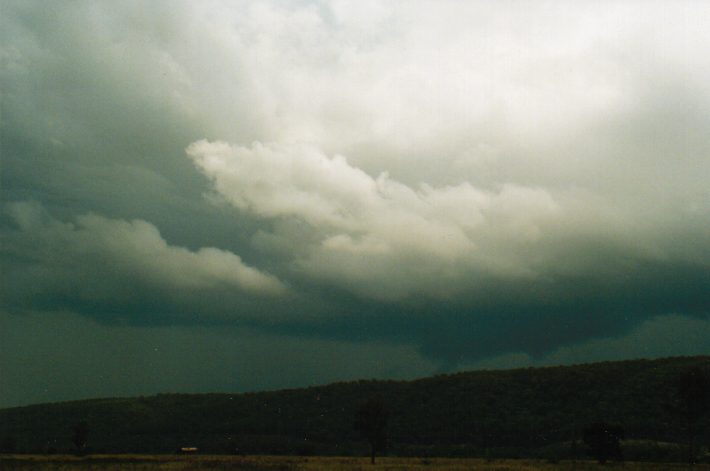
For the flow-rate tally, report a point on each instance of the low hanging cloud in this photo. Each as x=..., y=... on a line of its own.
x=109, y=264
x=380, y=238
x=362, y=228
x=658, y=337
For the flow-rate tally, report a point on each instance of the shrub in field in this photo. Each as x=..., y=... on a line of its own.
x=603, y=441
x=81, y=435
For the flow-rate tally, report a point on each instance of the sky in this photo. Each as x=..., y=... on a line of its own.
x=236, y=196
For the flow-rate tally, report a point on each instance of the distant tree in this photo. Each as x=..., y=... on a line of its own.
x=371, y=422
x=81, y=436
x=603, y=441
x=694, y=397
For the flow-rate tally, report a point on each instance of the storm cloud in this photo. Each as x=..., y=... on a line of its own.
x=101, y=262
x=467, y=184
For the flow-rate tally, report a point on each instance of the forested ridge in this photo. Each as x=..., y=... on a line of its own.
x=521, y=412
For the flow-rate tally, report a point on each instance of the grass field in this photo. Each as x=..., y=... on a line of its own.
x=291, y=463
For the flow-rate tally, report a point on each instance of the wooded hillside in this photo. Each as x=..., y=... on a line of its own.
x=522, y=412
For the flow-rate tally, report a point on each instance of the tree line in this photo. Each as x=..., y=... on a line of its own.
x=551, y=412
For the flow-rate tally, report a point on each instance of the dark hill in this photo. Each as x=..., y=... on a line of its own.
x=513, y=412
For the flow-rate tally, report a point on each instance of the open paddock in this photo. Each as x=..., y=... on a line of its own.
x=297, y=463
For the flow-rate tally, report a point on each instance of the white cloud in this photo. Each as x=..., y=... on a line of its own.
x=364, y=229
x=463, y=141
x=103, y=258
x=137, y=246
x=419, y=81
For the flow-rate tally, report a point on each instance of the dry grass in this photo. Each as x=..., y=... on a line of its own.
x=291, y=463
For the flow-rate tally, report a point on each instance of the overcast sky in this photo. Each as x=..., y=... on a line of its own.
x=233, y=196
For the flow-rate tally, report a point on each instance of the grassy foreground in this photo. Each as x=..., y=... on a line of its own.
x=291, y=463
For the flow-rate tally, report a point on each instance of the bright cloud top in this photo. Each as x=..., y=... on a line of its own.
x=367, y=227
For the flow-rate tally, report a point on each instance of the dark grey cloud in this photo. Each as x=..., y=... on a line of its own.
x=466, y=183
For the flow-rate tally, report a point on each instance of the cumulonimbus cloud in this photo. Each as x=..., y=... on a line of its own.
x=533, y=175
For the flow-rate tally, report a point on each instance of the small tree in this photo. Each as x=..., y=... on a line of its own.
x=694, y=397
x=371, y=422
x=81, y=435
x=603, y=441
